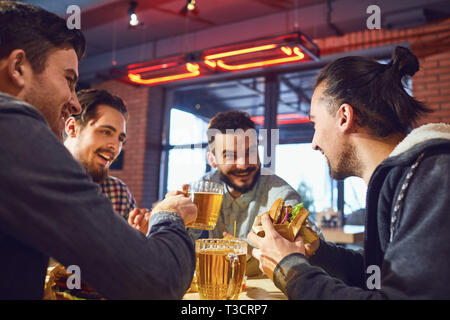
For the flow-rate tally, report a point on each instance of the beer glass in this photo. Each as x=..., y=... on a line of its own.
x=207, y=195
x=220, y=268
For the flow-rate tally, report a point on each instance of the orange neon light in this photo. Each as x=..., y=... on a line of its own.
x=298, y=55
x=290, y=118
x=155, y=67
x=242, y=51
x=192, y=68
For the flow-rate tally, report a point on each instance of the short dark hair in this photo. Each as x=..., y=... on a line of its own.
x=374, y=90
x=233, y=119
x=90, y=99
x=37, y=32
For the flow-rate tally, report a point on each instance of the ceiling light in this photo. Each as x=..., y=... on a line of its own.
x=190, y=7
x=256, y=54
x=134, y=21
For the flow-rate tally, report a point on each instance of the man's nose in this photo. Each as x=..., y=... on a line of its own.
x=314, y=144
x=115, y=145
x=74, y=105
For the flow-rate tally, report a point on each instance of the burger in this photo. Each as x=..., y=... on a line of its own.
x=56, y=287
x=288, y=221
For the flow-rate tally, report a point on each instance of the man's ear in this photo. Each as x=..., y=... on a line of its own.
x=18, y=66
x=71, y=127
x=346, y=118
x=211, y=159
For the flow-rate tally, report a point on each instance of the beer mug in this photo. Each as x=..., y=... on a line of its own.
x=207, y=195
x=220, y=268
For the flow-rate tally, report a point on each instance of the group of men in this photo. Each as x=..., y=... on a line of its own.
x=53, y=190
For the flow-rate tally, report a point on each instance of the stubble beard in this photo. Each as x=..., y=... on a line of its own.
x=98, y=175
x=347, y=164
x=245, y=188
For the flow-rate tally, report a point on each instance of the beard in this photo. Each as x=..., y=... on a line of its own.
x=98, y=175
x=47, y=110
x=245, y=188
x=347, y=164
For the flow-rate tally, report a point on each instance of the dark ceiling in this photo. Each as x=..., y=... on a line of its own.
x=166, y=31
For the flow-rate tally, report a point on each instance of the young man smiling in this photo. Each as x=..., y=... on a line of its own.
x=95, y=138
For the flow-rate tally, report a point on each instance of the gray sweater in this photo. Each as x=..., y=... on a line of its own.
x=49, y=207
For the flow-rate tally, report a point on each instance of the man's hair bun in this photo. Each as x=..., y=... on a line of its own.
x=404, y=62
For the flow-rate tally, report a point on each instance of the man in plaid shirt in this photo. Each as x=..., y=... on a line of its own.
x=119, y=194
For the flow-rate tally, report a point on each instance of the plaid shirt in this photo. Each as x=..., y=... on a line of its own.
x=119, y=194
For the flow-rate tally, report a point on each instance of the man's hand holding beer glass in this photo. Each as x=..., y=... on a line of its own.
x=179, y=204
x=176, y=202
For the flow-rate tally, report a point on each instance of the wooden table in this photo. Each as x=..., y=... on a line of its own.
x=259, y=288
x=349, y=234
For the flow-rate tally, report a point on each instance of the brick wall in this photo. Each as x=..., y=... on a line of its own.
x=430, y=43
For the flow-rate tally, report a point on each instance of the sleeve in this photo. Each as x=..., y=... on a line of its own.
x=50, y=204
x=417, y=259
x=339, y=262
x=299, y=280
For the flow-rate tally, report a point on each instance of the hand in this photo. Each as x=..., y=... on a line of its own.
x=184, y=191
x=310, y=248
x=272, y=248
x=179, y=204
x=227, y=235
x=138, y=219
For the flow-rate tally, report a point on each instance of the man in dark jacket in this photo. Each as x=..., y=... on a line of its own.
x=49, y=206
x=362, y=117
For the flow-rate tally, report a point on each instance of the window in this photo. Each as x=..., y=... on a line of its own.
x=306, y=170
x=187, y=157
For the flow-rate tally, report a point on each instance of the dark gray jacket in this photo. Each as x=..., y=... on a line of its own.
x=49, y=207
x=407, y=232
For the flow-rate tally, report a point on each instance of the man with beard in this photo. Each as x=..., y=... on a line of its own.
x=50, y=207
x=363, y=118
x=95, y=138
x=233, y=152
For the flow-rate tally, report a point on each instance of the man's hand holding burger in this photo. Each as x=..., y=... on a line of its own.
x=272, y=248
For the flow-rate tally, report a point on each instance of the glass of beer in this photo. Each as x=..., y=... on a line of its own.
x=207, y=195
x=220, y=268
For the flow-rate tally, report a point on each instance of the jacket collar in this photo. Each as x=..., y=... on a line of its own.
x=422, y=134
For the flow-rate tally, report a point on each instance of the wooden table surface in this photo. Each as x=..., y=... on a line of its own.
x=259, y=288
x=349, y=234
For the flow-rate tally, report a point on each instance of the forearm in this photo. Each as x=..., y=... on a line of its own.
x=299, y=280
x=344, y=264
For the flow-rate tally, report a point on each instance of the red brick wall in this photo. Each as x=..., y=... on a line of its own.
x=430, y=43
x=133, y=162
